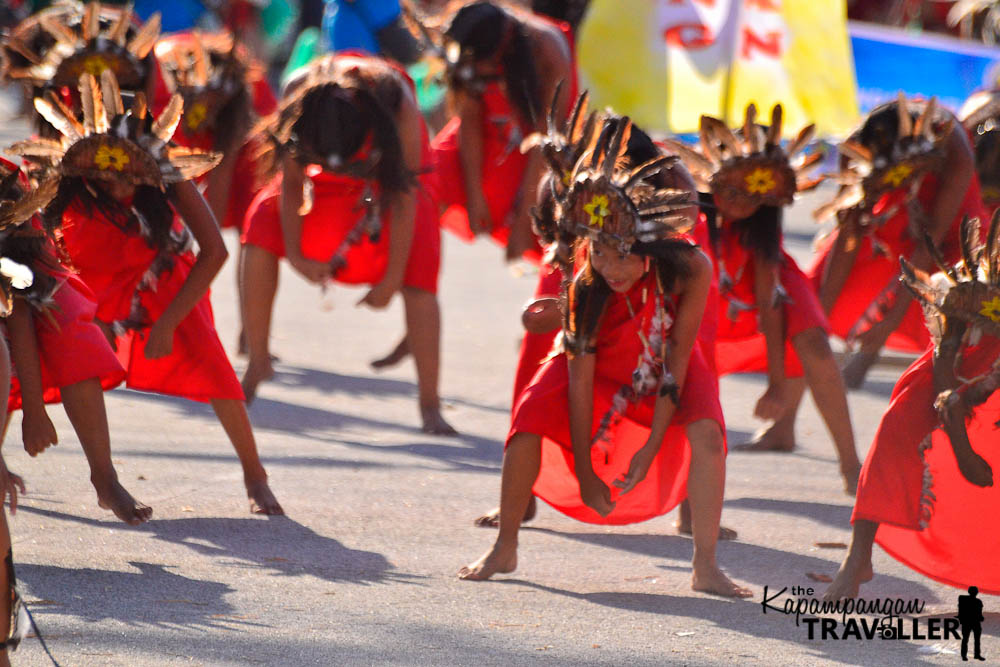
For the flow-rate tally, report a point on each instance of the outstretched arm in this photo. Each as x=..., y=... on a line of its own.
x=770, y=316
x=595, y=493
x=212, y=254
x=293, y=177
x=36, y=428
x=404, y=205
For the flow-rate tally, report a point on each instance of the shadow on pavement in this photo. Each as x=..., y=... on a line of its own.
x=154, y=595
x=762, y=566
x=837, y=516
x=276, y=545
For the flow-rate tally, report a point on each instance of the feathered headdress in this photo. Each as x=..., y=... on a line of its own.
x=563, y=146
x=113, y=143
x=207, y=70
x=970, y=290
x=913, y=152
x=976, y=18
x=57, y=45
x=616, y=206
x=750, y=167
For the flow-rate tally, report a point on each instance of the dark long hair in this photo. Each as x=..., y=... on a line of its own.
x=881, y=129
x=484, y=29
x=759, y=233
x=149, y=202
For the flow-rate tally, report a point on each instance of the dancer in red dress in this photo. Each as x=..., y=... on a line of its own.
x=595, y=435
x=60, y=353
x=348, y=206
x=122, y=186
x=927, y=484
x=769, y=319
x=503, y=65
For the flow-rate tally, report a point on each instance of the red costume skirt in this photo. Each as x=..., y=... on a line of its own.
x=112, y=263
x=875, y=269
x=903, y=488
x=543, y=409
x=739, y=345
x=73, y=351
x=334, y=212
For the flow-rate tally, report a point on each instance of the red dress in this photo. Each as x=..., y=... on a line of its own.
x=336, y=210
x=874, y=270
x=543, y=409
x=73, y=351
x=931, y=518
x=112, y=263
x=503, y=163
x=739, y=345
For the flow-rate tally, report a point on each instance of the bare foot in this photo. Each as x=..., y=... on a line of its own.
x=434, y=423
x=856, y=367
x=769, y=439
x=262, y=501
x=254, y=375
x=501, y=559
x=849, y=579
x=492, y=518
x=973, y=467
x=400, y=352
x=113, y=496
x=710, y=579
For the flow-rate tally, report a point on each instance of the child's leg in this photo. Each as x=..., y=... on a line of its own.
x=84, y=405
x=683, y=523
x=423, y=331
x=6, y=594
x=260, y=284
x=706, y=484
x=779, y=436
x=828, y=392
x=233, y=416
x=521, y=463
x=857, y=566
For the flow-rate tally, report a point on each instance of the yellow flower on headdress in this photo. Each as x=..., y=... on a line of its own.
x=598, y=210
x=991, y=309
x=897, y=175
x=195, y=116
x=95, y=65
x=760, y=181
x=110, y=158
x=991, y=193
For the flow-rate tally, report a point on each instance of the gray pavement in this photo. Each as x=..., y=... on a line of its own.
x=362, y=570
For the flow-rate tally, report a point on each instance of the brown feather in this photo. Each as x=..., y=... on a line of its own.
x=26, y=206
x=849, y=197
x=968, y=235
x=166, y=123
x=578, y=117
x=806, y=184
x=45, y=149
x=939, y=259
x=993, y=250
x=720, y=133
x=90, y=25
x=145, y=39
x=618, y=146
x=693, y=160
x=57, y=119
x=119, y=30
x=925, y=121
x=139, y=108
x=857, y=152
x=67, y=113
x=749, y=136
x=94, y=117
x=802, y=140
x=60, y=32
x=905, y=120
x=200, y=66
x=774, y=131
x=112, y=94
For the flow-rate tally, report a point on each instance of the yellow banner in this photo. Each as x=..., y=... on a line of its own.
x=666, y=62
